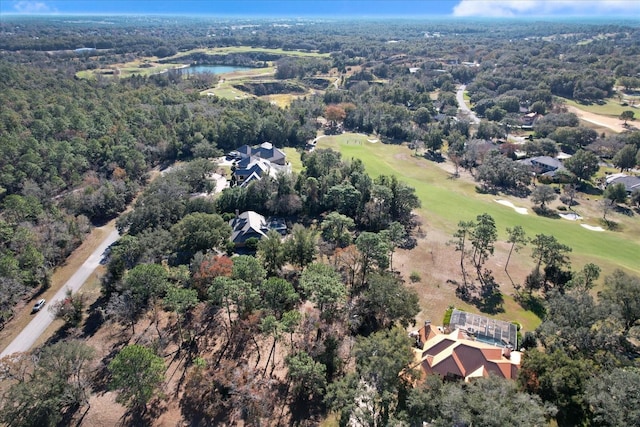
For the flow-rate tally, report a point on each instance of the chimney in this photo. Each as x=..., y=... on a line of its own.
x=506, y=351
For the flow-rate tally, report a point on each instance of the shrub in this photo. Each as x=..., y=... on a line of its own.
x=251, y=243
x=447, y=316
x=415, y=277
x=529, y=341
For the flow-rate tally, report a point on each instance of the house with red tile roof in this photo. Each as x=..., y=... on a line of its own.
x=456, y=355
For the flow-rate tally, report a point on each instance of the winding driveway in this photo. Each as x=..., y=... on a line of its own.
x=41, y=321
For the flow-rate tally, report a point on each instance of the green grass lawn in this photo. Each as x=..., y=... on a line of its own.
x=247, y=49
x=611, y=108
x=127, y=70
x=447, y=201
x=226, y=90
x=293, y=157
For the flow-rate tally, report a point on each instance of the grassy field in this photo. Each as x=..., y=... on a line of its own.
x=136, y=66
x=225, y=89
x=143, y=66
x=247, y=49
x=293, y=157
x=283, y=100
x=610, y=108
x=447, y=201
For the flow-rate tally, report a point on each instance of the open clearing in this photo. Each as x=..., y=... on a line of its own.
x=146, y=66
x=142, y=67
x=612, y=123
x=446, y=201
x=247, y=49
x=610, y=108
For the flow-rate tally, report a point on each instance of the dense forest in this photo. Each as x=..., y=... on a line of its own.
x=313, y=327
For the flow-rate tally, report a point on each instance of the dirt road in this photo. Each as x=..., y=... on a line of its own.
x=608, y=122
x=43, y=319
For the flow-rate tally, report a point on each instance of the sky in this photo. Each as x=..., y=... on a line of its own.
x=331, y=8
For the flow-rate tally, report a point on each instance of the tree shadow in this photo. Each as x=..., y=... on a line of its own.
x=589, y=188
x=145, y=416
x=453, y=175
x=491, y=303
x=487, y=297
x=532, y=303
x=489, y=300
x=65, y=332
x=434, y=156
x=481, y=189
x=624, y=210
x=95, y=319
x=610, y=225
x=545, y=212
x=304, y=410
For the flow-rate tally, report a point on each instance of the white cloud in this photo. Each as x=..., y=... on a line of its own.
x=523, y=8
x=32, y=7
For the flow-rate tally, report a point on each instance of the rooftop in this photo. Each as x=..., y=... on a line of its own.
x=455, y=355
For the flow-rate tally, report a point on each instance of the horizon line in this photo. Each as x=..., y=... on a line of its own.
x=324, y=16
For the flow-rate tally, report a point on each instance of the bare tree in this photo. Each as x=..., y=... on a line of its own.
x=517, y=238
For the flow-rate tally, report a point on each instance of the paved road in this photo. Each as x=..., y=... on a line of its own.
x=43, y=319
x=462, y=106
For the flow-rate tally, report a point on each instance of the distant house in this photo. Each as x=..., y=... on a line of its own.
x=529, y=119
x=456, y=356
x=247, y=225
x=543, y=165
x=631, y=183
x=252, y=163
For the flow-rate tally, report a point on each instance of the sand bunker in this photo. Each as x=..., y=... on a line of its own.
x=521, y=211
x=592, y=228
x=571, y=216
x=373, y=141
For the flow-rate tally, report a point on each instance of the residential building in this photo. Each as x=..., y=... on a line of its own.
x=457, y=355
x=247, y=225
x=631, y=183
x=249, y=169
x=265, y=151
x=529, y=119
x=544, y=165
x=252, y=163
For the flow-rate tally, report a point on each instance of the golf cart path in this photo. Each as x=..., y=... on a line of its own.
x=41, y=321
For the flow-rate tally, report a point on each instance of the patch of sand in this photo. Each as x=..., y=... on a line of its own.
x=571, y=216
x=521, y=211
x=597, y=119
x=373, y=141
x=592, y=228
